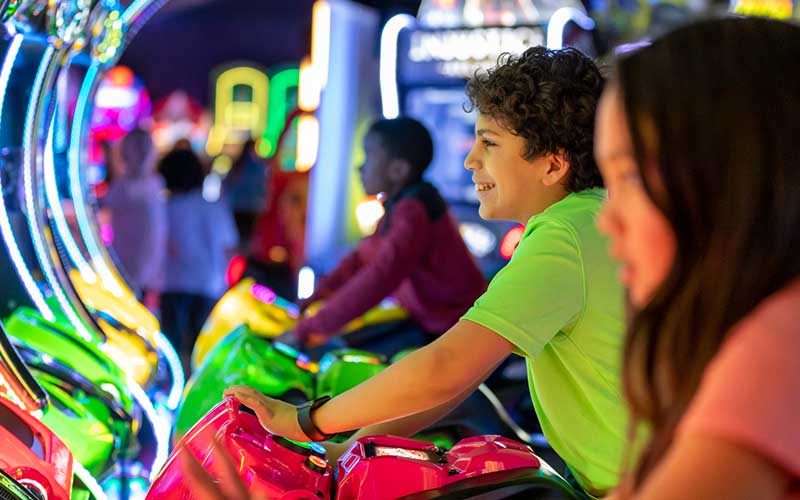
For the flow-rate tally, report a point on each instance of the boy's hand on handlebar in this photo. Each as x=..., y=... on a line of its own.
x=278, y=417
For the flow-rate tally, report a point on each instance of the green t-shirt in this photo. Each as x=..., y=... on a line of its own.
x=560, y=303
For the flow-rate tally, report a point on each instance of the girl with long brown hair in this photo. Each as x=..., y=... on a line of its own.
x=698, y=140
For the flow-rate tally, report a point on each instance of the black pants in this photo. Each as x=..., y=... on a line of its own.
x=182, y=318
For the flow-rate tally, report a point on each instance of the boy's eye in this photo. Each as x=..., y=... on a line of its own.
x=487, y=143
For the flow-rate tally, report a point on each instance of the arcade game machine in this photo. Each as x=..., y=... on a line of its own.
x=98, y=282
x=376, y=467
x=28, y=61
x=68, y=414
x=424, y=65
x=32, y=278
x=31, y=211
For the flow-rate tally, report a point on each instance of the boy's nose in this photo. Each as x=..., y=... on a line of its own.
x=470, y=163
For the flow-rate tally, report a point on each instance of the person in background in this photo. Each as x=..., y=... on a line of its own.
x=202, y=238
x=138, y=213
x=697, y=141
x=416, y=254
x=245, y=189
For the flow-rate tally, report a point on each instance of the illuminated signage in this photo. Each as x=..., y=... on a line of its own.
x=240, y=107
x=426, y=56
x=777, y=9
x=248, y=103
x=441, y=13
x=482, y=44
x=281, y=86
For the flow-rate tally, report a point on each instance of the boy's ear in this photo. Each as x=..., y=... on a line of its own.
x=399, y=170
x=557, y=169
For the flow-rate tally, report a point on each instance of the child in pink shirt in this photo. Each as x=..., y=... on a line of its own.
x=697, y=143
x=750, y=393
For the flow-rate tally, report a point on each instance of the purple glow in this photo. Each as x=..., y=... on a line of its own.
x=263, y=294
x=107, y=234
x=631, y=47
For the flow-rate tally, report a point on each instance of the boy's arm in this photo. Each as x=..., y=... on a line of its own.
x=408, y=426
x=346, y=268
x=397, y=255
x=429, y=378
x=425, y=379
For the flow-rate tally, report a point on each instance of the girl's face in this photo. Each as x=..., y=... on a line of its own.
x=641, y=238
x=509, y=186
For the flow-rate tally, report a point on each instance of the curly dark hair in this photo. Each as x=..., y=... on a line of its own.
x=549, y=98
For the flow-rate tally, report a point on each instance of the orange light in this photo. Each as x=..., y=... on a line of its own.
x=321, y=40
x=511, y=240
x=307, y=142
x=120, y=76
x=309, y=366
x=318, y=461
x=309, y=87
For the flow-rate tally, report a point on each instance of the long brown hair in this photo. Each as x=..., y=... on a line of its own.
x=714, y=111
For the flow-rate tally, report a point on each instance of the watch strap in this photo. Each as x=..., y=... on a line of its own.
x=308, y=426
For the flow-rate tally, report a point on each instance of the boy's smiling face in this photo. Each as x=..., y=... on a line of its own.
x=509, y=186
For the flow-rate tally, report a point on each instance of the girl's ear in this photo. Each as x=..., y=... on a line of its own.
x=557, y=169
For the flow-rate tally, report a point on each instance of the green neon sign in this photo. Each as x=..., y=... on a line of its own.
x=279, y=99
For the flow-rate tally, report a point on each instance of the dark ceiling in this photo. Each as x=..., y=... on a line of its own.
x=186, y=39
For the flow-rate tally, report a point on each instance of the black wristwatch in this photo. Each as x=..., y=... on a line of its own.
x=304, y=419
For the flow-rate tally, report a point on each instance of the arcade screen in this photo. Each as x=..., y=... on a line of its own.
x=441, y=110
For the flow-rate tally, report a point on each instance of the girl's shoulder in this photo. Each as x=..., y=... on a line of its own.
x=779, y=313
x=750, y=391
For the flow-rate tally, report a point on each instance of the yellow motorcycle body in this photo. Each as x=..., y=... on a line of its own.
x=130, y=328
x=267, y=315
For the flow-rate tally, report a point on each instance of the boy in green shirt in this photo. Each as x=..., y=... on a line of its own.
x=557, y=302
